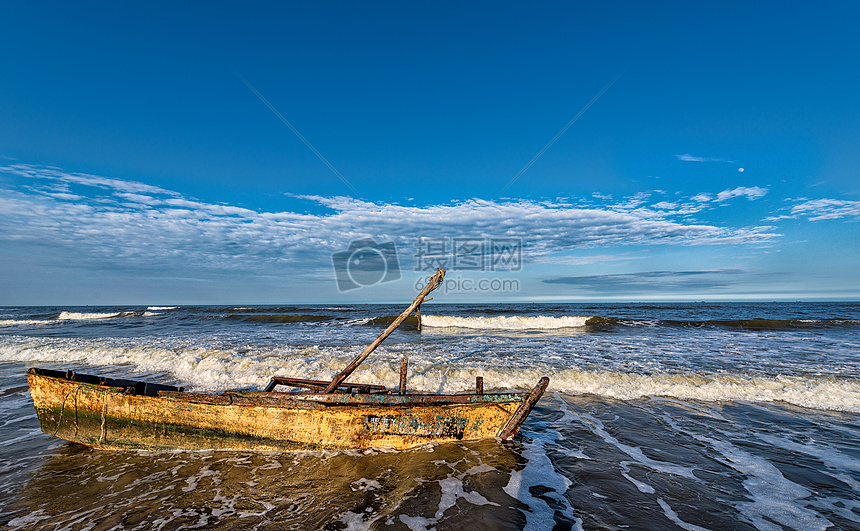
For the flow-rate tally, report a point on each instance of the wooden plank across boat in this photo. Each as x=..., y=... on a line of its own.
x=127, y=414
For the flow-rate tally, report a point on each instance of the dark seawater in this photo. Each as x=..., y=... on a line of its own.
x=658, y=416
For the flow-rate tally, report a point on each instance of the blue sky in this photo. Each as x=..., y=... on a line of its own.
x=139, y=163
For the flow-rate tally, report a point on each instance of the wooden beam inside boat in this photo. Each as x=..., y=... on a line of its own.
x=319, y=385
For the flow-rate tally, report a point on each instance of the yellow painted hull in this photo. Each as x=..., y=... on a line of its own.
x=118, y=415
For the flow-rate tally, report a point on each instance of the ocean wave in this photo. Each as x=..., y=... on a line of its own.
x=161, y=308
x=388, y=319
x=80, y=316
x=197, y=367
x=824, y=393
x=517, y=322
x=207, y=368
x=765, y=324
x=272, y=309
x=410, y=322
x=543, y=322
x=26, y=322
x=814, y=392
x=278, y=318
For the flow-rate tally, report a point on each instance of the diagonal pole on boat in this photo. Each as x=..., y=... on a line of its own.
x=523, y=411
x=432, y=283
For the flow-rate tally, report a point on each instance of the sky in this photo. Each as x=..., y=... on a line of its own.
x=318, y=152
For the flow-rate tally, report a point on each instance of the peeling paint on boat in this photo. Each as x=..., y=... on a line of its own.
x=114, y=414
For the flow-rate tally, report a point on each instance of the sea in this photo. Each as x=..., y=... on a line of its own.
x=685, y=416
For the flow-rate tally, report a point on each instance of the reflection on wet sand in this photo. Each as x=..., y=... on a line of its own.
x=451, y=486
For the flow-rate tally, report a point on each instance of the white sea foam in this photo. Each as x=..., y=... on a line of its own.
x=365, y=484
x=518, y=322
x=540, y=472
x=28, y=521
x=635, y=452
x=26, y=322
x=673, y=516
x=837, y=464
x=775, y=498
x=209, y=368
x=79, y=316
x=807, y=391
x=453, y=490
x=161, y=308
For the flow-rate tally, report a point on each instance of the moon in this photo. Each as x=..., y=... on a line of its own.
x=741, y=170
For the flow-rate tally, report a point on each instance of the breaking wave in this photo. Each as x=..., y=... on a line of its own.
x=218, y=369
x=517, y=322
x=543, y=322
x=80, y=316
x=25, y=322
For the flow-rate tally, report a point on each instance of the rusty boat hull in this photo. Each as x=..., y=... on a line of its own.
x=127, y=414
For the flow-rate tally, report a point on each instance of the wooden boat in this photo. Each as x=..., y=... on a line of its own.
x=127, y=414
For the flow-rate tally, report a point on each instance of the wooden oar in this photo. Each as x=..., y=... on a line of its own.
x=432, y=284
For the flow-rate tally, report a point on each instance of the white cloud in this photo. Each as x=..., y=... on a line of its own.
x=584, y=260
x=691, y=158
x=821, y=209
x=65, y=196
x=751, y=192
x=55, y=174
x=137, y=225
x=138, y=198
